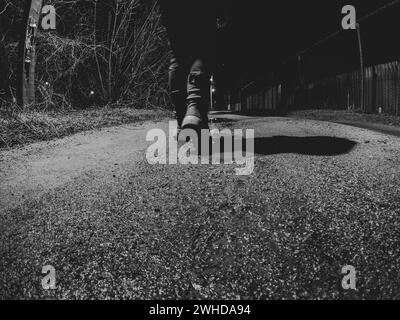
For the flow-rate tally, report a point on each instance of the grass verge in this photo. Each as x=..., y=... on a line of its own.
x=27, y=126
x=344, y=115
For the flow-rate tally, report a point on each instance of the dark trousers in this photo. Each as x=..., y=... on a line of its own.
x=191, y=28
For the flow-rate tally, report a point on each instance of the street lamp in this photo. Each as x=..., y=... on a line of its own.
x=212, y=92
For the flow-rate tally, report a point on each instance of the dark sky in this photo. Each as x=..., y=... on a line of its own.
x=263, y=33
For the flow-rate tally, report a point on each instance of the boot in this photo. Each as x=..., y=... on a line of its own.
x=196, y=116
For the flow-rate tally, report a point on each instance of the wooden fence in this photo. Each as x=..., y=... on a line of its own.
x=381, y=93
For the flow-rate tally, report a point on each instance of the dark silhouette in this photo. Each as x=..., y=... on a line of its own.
x=314, y=146
x=317, y=146
x=191, y=29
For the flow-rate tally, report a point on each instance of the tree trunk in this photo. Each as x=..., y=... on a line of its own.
x=27, y=53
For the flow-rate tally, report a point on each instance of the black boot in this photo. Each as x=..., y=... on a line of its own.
x=196, y=116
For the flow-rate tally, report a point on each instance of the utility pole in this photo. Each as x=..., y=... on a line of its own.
x=27, y=53
x=360, y=49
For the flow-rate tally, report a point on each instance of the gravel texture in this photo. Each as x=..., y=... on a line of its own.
x=322, y=196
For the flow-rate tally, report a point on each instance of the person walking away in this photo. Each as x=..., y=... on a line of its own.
x=191, y=29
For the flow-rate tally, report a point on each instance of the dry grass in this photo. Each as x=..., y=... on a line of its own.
x=343, y=115
x=27, y=126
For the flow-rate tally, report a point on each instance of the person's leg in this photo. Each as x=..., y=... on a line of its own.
x=174, y=20
x=202, y=30
x=177, y=86
x=198, y=94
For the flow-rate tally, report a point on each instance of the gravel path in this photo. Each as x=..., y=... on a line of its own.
x=322, y=196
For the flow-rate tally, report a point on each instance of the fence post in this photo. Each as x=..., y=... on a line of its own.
x=373, y=85
x=397, y=79
x=300, y=71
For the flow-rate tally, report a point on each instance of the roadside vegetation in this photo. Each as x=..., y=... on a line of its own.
x=104, y=65
x=27, y=126
x=344, y=115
